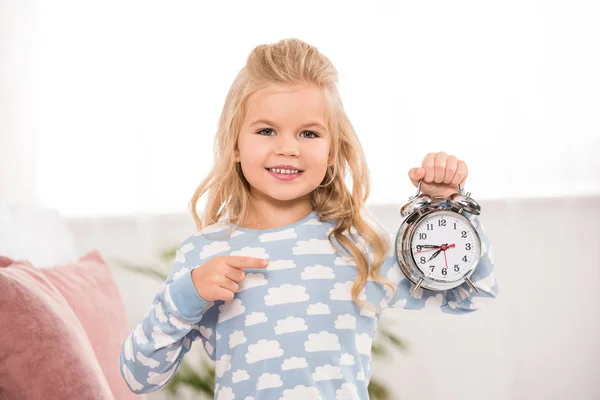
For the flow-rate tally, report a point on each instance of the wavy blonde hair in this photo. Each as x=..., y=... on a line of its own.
x=292, y=62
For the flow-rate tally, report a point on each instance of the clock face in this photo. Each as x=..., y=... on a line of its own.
x=445, y=247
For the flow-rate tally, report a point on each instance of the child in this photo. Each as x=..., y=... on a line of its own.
x=285, y=279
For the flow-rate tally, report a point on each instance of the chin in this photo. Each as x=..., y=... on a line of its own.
x=283, y=194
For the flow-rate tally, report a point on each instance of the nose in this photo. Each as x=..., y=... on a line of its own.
x=288, y=145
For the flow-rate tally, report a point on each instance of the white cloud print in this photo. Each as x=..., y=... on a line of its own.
x=180, y=273
x=160, y=314
x=290, y=324
x=235, y=338
x=360, y=376
x=281, y=264
x=301, y=392
x=294, y=363
x=263, y=350
x=267, y=381
x=225, y=393
x=343, y=291
x=252, y=280
x=434, y=301
x=179, y=324
x=206, y=332
x=255, y=318
x=240, y=375
x=286, y=293
x=139, y=334
x=318, y=308
x=128, y=349
x=347, y=359
x=322, y=341
x=258, y=252
x=327, y=372
x=347, y=392
x=281, y=235
x=339, y=260
x=151, y=362
x=133, y=384
x=231, y=309
x=317, y=272
x=214, y=248
x=313, y=246
x=216, y=227
x=180, y=253
x=158, y=378
x=313, y=221
x=363, y=343
x=223, y=365
x=346, y=321
x=160, y=338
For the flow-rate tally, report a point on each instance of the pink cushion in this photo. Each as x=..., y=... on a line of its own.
x=89, y=288
x=44, y=350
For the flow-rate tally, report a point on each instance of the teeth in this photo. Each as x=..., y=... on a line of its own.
x=284, y=171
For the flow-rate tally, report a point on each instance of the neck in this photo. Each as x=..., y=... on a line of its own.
x=269, y=214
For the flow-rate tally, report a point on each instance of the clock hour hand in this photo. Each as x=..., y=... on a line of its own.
x=429, y=246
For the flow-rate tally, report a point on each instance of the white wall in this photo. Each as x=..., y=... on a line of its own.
x=129, y=92
x=17, y=104
x=537, y=340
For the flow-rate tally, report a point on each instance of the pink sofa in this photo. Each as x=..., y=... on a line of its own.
x=61, y=331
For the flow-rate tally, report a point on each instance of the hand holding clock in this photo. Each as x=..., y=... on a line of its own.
x=441, y=174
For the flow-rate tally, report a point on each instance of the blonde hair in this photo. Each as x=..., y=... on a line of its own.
x=292, y=62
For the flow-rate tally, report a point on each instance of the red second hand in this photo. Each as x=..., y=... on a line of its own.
x=444, y=249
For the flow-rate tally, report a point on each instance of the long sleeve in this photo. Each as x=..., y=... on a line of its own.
x=152, y=352
x=460, y=300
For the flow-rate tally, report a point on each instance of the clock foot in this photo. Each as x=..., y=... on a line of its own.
x=417, y=286
x=472, y=285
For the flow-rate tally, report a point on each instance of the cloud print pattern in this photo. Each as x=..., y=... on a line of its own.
x=292, y=331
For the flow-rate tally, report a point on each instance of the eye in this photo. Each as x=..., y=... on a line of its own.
x=264, y=130
x=312, y=133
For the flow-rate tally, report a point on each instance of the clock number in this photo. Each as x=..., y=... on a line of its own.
x=423, y=260
x=419, y=247
x=456, y=269
x=422, y=236
x=429, y=227
x=444, y=271
x=468, y=246
x=464, y=258
x=464, y=234
x=432, y=267
x=442, y=222
x=455, y=226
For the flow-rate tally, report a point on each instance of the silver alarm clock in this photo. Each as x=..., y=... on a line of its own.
x=437, y=247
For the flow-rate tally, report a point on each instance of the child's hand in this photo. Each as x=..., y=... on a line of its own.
x=442, y=174
x=219, y=277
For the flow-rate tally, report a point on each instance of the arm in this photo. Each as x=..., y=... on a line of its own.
x=460, y=300
x=152, y=352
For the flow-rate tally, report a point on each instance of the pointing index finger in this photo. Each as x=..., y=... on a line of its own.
x=246, y=262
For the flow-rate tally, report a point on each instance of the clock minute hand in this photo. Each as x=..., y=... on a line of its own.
x=434, y=254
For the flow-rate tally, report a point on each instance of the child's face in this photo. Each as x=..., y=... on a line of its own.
x=275, y=132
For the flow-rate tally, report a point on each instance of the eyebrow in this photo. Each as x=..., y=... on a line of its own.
x=307, y=125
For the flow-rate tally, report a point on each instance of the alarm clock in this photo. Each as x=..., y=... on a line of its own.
x=437, y=247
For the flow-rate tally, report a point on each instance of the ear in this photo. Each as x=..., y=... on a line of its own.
x=236, y=155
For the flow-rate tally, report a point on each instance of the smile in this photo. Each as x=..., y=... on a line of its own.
x=283, y=175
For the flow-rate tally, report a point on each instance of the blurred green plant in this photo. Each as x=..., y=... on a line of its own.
x=203, y=381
